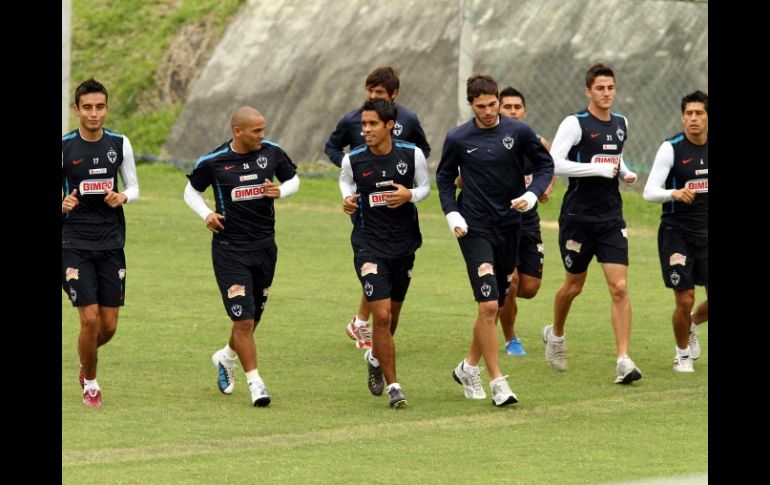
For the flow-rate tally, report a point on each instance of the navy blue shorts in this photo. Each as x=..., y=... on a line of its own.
x=490, y=257
x=383, y=277
x=531, y=254
x=580, y=241
x=94, y=276
x=684, y=259
x=244, y=279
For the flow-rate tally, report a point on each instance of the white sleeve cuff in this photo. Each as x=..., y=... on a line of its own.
x=455, y=219
x=529, y=197
x=289, y=186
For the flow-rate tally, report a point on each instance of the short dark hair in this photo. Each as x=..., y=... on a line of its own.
x=386, y=110
x=511, y=91
x=696, y=97
x=479, y=84
x=384, y=76
x=90, y=86
x=595, y=71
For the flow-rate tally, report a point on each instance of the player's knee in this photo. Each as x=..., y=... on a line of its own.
x=685, y=300
x=528, y=289
x=618, y=290
x=488, y=310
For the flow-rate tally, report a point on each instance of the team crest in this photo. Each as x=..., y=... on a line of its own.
x=621, y=134
x=112, y=155
x=262, y=162
x=73, y=294
x=122, y=273
x=486, y=289
x=567, y=261
x=237, y=310
x=368, y=289
x=508, y=142
x=401, y=167
x=675, y=278
x=398, y=128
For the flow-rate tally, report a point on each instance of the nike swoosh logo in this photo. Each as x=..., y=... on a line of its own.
x=594, y=135
x=687, y=161
x=471, y=150
x=228, y=167
x=75, y=162
x=366, y=174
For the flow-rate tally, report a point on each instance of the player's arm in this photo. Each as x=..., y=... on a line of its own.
x=286, y=172
x=542, y=175
x=420, y=139
x=338, y=140
x=200, y=179
x=654, y=189
x=624, y=172
x=127, y=172
x=348, y=187
x=567, y=136
x=446, y=173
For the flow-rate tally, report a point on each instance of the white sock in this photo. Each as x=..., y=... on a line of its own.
x=557, y=339
x=229, y=353
x=90, y=385
x=693, y=327
x=683, y=352
x=359, y=323
x=372, y=359
x=253, y=376
x=622, y=357
x=468, y=368
x=395, y=385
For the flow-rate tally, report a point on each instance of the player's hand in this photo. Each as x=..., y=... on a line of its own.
x=272, y=190
x=401, y=196
x=114, y=199
x=459, y=182
x=350, y=204
x=460, y=232
x=214, y=222
x=70, y=202
x=629, y=178
x=684, y=195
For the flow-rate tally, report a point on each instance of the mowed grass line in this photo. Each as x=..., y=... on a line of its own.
x=165, y=418
x=506, y=417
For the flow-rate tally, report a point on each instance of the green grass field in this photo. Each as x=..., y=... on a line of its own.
x=164, y=421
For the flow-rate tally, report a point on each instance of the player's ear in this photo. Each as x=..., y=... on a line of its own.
x=390, y=124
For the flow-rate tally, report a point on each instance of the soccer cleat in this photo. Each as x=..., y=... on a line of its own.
x=470, y=380
x=501, y=392
x=555, y=352
x=259, y=394
x=396, y=397
x=362, y=335
x=627, y=372
x=694, y=346
x=92, y=398
x=375, y=381
x=514, y=347
x=225, y=373
x=683, y=364
x=82, y=377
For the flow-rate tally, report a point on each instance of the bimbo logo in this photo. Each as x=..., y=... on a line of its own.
x=698, y=185
x=248, y=192
x=378, y=198
x=95, y=186
x=613, y=159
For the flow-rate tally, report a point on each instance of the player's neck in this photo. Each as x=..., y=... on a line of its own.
x=602, y=114
x=91, y=135
x=382, y=148
x=697, y=139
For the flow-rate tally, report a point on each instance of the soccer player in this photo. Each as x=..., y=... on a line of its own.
x=588, y=148
x=489, y=150
x=93, y=226
x=528, y=273
x=680, y=181
x=381, y=83
x=380, y=183
x=241, y=172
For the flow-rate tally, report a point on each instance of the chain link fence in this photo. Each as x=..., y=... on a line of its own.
x=657, y=49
